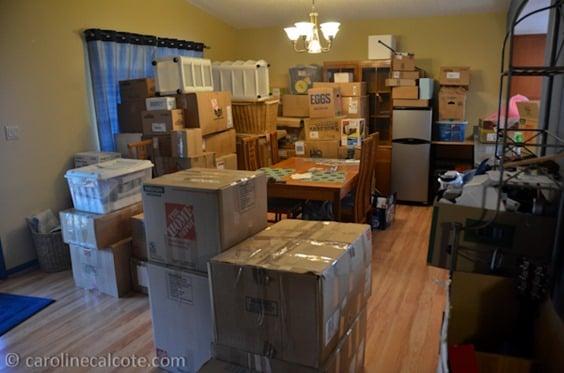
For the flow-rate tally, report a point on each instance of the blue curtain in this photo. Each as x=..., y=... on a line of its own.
x=114, y=58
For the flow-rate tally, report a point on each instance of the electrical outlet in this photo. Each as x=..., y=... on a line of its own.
x=12, y=133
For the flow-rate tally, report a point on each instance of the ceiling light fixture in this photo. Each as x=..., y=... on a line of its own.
x=308, y=33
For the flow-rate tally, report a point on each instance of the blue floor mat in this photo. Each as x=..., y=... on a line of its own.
x=15, y=309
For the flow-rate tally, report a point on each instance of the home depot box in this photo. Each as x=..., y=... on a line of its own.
x=139, y=276
x=129, y=116
x=226, y=162
x=304, y=282
x=221, y=143
x=324, y=102
x=410, y=103
x=194, y=214
x=160, y=103
x=295, y=106
x=355, y=107
x=402, y=62
x=400, y=82
x=322, y=128
x=348, y=356
x=405, y=93
x=138, y=241
x=210, y=111
x=452, y=103
x=186, y=142
x=136, y=89
x=97, y=231
x=159, y=122
x=318, y=148
x=353, y=130
x=346, y=89
x=454, y=76
x=413, y=75
x=182, y=316
x=106, y=270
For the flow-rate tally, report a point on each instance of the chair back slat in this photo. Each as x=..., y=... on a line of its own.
x=365, y=181
x=141, y=150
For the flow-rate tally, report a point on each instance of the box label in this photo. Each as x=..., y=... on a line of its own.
x=261, y=306
x=353, y=107
x=299, y=148
x=180, y=231
x=332, y=325
x=491, y=137
x=220, y=165
x=179, y=288
x=217, y=111
x=453, y=75
x=158, y=127
x=246, y=193
x=314, y=134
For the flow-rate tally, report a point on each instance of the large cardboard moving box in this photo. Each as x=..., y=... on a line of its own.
x=452, y=103
x=454, y=76
x=405, y=93
x=352, y=89
x=138, y=240
x=182, y=316
x=106, y=270
x=403, y=62
x=162, y=121
x=97, y=231
x=355, y=107
x=324, y=102
x=322, y=129
x=226, y=162
x=194, y=214
x=186, y=142
x=304, y=282
x=295, y=106
x=136, y=89
x=210, y=111
x=129, y=116
x=221, y=143
x=318, y=148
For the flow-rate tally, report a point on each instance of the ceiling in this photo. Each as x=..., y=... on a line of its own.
x=264, y=13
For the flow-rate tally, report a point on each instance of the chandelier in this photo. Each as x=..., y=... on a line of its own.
x=308, y=33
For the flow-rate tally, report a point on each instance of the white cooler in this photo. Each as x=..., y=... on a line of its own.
x=246, y=80
x=108, y=186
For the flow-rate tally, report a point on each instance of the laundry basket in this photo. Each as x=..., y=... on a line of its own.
x=52, y=253
x=255, y=117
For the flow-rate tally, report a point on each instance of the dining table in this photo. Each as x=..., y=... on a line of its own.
x=316, y=179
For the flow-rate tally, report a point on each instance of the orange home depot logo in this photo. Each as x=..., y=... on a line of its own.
x=180, y=221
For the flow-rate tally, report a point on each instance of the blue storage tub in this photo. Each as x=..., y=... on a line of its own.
x=450, y=131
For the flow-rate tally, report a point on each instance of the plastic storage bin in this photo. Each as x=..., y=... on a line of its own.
x=178, y=74
x=246, y=80
x=108, y=186
x=450, y=131
x=302, y=78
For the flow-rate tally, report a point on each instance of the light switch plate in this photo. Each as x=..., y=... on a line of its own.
x=12, y=133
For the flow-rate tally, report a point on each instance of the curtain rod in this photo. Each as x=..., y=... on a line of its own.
x=94, y=34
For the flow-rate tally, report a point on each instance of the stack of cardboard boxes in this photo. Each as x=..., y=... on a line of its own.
x=409, y=88
x=454, y=81
x=191, y=216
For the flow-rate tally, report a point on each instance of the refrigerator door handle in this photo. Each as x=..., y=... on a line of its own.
x=411, y=141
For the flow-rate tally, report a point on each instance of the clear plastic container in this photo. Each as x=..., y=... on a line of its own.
x=179, y=74
x=246, y=80
x=302, y=78
x=108, y=186
x=450, y=131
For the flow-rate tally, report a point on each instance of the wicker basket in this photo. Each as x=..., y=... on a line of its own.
x=52, y=253
x=255, y=117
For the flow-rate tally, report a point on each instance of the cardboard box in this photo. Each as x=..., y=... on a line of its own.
x=324, y=102
x=487, y=131
x=88, y=158
x=182, y=316
x=295, y=106
x=348, y=356
x=405, y=93
x=123, y=139
x=343, y=77
x=136, y=89
x=410, y=103
x=226, y=162
x=377, y=51
x=138, y=240
x=355, y=107
x=210, y=111
x=413, y=75
x=277, y=295
x=129, y=116
x=97, y=231
x=160, y=103
x=169, y=165
x=452, y=103
x=162, y=144
x=401, y=82
x=159, y=122
x=403, y=62
x=187, y=142
x=106, y=270
x=529, y=112
x=221, y=143
x=454, y=76
x=353, y=131
x=426, y=88
x=322, y=129
x=194, y=214
x=139, y=276
x=295, y=130
x=346, y=89
x=319, y=149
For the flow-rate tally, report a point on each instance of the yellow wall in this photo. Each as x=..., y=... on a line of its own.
x=468, y=40
x=43, y=90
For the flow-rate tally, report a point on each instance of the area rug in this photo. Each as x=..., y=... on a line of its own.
x=15, y=309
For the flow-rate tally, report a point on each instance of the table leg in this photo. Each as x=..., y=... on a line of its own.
x=337, y=206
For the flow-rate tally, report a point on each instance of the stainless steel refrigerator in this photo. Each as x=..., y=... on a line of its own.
x=411, y=152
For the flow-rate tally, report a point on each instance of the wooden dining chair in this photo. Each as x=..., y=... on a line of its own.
x=141, y=149
x=274, y=147
x=247, y=153
x=359, y=204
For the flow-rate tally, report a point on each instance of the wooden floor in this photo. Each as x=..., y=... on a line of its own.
x=404, y=312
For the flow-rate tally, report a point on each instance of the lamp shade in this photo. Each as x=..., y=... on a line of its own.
x=314, y=46
x=305, y=28
x=292, y=32
x=330, y=29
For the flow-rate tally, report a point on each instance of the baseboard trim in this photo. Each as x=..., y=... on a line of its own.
x=22, y=267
